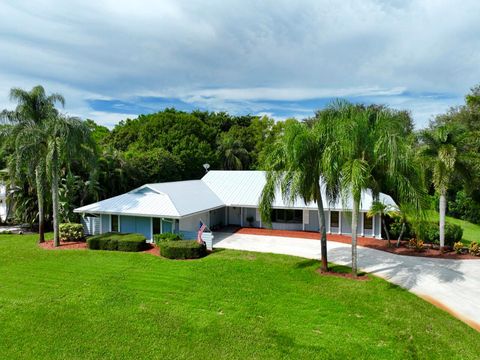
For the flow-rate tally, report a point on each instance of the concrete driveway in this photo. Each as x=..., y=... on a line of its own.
x=451, y=284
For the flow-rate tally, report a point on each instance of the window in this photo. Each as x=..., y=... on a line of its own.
x=287, y=216
x=334, y=219
x=367, y=222
x=114, y=223
x=157, y=229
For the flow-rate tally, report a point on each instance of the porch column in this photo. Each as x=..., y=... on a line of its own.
x=328, y=221
x=339, y=222
x=362, y=223
x=241, y=216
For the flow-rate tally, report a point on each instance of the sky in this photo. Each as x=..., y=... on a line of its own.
x=115, y=59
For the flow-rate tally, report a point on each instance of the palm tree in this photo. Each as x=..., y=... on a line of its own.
x=382, y=210
x=371, y=150
x=442, y=149
x=33, y=109
x=295, y=166
x=67, y=137
x=232, y=153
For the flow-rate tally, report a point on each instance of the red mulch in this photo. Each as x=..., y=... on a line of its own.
x=67, y=245
x=362, y=241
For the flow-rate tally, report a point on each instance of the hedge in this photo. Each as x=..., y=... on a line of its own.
x=430, y=233
x=185, y=249
x=117, y=241
x=71, y=232
x=168, y=236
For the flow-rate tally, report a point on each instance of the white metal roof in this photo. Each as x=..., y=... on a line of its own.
x=244, y=188
x=174, y=199
x=214, y=190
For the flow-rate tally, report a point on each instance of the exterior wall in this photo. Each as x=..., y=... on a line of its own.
x=91, y=225
x=105, y=223
x=217, y=217
x=136, y=224
x=253, y=212
x=234, y=216
x=191, y=223
x=346, y=222
x=312, y=221
x=286, y=226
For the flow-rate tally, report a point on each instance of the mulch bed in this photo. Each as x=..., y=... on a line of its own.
x=69, y=245
x=372, y=243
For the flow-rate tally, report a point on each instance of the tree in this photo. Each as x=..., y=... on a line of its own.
x=33, y=109
x=379, y=208
x=371, y=152
x=296, y=165
x=232, y=154
x=442, y=150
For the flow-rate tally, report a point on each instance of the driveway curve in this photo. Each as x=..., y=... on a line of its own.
x=453, y=285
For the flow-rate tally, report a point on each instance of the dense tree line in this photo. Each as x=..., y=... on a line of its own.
x=173, y=145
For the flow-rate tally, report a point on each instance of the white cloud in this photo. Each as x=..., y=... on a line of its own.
x=226, y=54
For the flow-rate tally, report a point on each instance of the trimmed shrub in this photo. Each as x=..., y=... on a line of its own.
x=168, y=236
x=474, y=249
x=71, y=232
x=430, y=233
x=396, y=228
x=185, y=249
x=117, y=241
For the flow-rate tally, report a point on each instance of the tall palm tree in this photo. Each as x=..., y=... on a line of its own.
x=443, y=152
x=33, y=108
x=371, y=150
x=296, y=166
x=232, y=153
x=67, y=137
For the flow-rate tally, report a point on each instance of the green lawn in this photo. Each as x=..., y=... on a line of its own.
x=471, y=232
x=78, y=304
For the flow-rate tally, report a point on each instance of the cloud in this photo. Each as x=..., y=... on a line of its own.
x=280, y=57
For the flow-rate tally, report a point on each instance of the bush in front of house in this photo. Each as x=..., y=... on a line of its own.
x=168, y=236
x=474, y=249
x=429, y=232
x=185, y=249
x=117, y=241
x=71, y=232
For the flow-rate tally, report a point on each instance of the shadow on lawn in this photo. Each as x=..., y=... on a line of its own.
x=403, y=270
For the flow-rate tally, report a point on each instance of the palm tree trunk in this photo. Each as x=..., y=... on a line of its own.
x=56, y=238
x=323, y=232
x=39, y=179
x=401, y=235
x=386, y=231
x=443, y=209
x=354, y=237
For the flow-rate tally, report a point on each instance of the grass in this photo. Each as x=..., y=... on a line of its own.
x=81, y=304
x=471, y=232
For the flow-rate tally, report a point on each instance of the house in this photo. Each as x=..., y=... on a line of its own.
x=4, y=208
x=219, y=198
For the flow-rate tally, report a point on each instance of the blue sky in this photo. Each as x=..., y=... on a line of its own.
x=117, y=59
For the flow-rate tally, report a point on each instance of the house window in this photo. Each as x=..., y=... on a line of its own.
x=334, y=219
x=157, y=229
x=287, y=216
x=367, y=222
x=114, y=223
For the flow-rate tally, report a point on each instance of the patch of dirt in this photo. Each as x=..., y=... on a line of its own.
x=372, y=243
x=360, y=277
x=64, y=245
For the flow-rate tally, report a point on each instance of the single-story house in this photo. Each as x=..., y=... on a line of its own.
x=220, y=198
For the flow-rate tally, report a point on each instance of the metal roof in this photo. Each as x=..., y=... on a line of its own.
x=174, y=199
x=244, y=188
x=216, y=189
